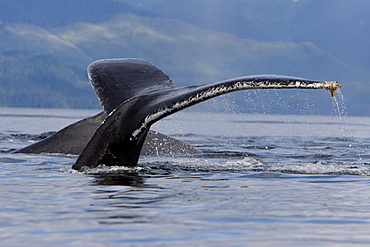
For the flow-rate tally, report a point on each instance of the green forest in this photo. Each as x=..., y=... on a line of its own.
x=45, y=47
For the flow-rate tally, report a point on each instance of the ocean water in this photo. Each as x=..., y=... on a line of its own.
x=260, y=180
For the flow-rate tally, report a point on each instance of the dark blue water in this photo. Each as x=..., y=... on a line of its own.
x=261, y=180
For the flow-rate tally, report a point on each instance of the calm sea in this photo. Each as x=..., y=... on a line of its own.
x=260, y=180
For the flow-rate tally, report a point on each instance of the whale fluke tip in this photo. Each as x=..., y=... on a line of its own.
x=332, y=86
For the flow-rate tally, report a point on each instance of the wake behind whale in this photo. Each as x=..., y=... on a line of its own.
x=135, y=94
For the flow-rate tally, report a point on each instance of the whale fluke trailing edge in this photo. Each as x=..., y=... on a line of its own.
x=135, y=94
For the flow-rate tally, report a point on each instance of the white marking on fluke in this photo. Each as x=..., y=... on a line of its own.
x=223, y=89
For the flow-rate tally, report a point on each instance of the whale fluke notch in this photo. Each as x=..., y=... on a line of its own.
x=135, y=101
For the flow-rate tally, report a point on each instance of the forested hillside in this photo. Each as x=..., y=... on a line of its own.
x=45, y=47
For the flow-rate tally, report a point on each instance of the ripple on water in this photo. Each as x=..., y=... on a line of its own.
x=167, y=165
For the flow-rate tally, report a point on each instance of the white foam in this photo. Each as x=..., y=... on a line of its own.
x=247, y=164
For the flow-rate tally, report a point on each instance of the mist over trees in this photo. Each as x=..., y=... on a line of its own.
x=45, y=47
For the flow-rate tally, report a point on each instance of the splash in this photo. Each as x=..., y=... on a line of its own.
x=340, y=109
x=250, y=164
x=247, y=164
x=102, y=169
x=317, y=168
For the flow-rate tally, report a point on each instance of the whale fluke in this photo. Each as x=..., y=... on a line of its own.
x=135, y=94
x=133, y=78
x=117, y=80
x=69, y=140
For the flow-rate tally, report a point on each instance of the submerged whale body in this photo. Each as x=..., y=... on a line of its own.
x=135, y=94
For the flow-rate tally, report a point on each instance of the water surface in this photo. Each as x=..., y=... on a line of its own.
x=260, y=180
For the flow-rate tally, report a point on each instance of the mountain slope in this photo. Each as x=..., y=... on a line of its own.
x=198, y=54
x=45, y=66
x=49, y=14
x=340, y=27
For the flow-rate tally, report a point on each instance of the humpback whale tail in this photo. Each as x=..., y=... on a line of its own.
x=135, y=94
